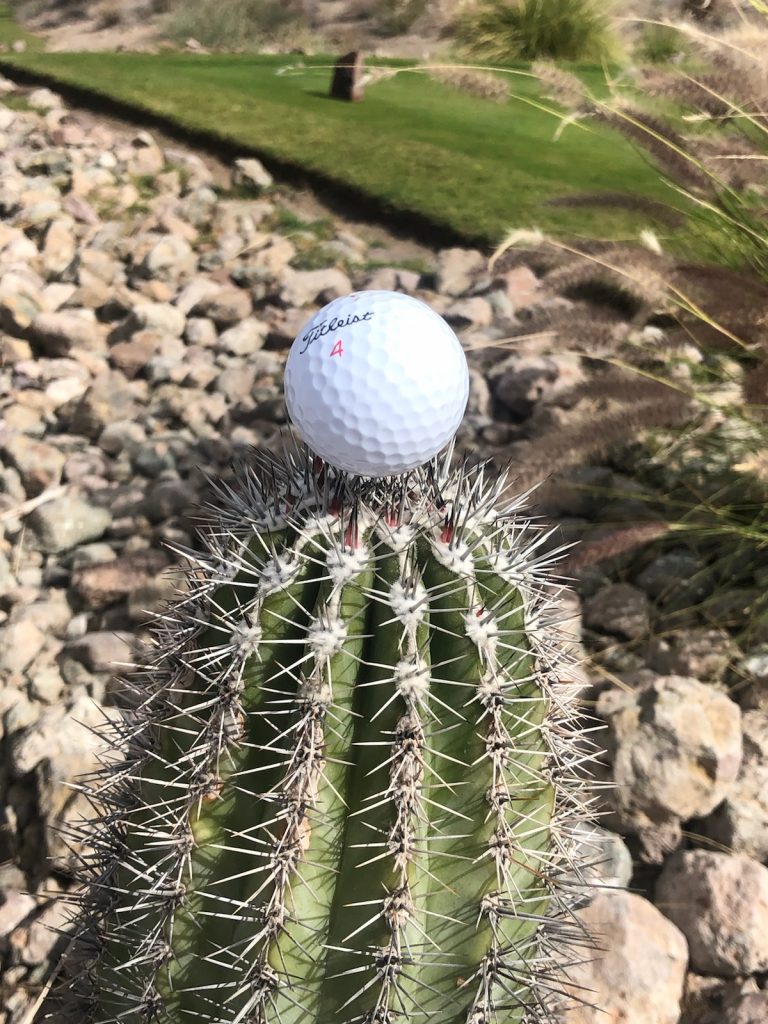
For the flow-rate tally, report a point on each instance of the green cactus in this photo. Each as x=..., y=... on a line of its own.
x=348, y=781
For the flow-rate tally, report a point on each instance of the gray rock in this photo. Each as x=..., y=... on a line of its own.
x=39, y=464
x=675, y=578
x=101, y=651
x=750, y=1009
x=740, y=822
x=66, y=522
x=702, y=653
x=720, y=903
x=457, y=270
x=522, y=383
x=252, y=173
x=675, y=747
x=618, y=609
x=166, y=498
x=637, y=977
x=606, y=859
x=109, y=398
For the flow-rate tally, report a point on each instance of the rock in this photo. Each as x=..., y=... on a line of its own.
x=44, y=100
x=59, y=246
x=676, y=579
x=236, y=383
x=637, y=977
x=101, y=651
x=153, y=316
x=46, y=936
x=226, y=306
x=618, y=609
x=471, y=312
x=169, y=259
x=700, y=653
x=66, y=522
x=145, y=157
x=720, y=903
x=347, y=80
x=753, y=669
x=246, y=337
x=39, y=464
x=46, y=684
x=522, y=287
x=20, y=643
x=750, y=1009
x=252, y=173
x=275, y=257
x=109, y=398
x=675, y=746
x=58, y=333
x=304, y=287
x=103, y=584
x=166, y=498
x=604, y=855
x=457, y=270
x=523, y=382
x=740, y=822
x=15, y=908
x=201, y=331
x=131, y=357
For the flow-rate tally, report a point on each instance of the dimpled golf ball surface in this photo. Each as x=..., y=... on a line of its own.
x=376, y=383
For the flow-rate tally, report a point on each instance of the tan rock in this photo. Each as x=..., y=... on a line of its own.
x=720, y=903
x=675, y=746
x=637, y=977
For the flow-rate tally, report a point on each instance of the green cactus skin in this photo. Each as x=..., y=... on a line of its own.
x=349, y=779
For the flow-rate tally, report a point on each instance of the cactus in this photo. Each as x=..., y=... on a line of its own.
x=348, y=775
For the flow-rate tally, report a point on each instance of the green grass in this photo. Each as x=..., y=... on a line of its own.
x=10, y=31
x=413, y=144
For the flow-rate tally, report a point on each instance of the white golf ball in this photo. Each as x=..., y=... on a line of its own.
x=376, y=383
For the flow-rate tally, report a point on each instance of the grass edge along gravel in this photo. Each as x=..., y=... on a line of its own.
x=413, y=147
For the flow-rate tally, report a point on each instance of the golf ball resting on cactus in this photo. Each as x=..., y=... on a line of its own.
x=349, y=780
x=376, y=383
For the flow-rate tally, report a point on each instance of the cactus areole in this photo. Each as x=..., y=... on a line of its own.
x=346, y=784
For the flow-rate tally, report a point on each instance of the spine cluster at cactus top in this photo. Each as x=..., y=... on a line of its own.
x=348, y=790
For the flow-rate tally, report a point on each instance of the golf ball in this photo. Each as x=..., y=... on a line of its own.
x=376, y=383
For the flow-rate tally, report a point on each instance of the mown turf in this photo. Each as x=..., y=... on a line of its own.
x=10, y=31
x=473, y=166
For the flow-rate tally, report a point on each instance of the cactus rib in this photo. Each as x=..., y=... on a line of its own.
x=350, y=769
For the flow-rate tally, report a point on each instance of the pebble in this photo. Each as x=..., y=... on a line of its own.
x=618, y=609
x=720, y=903
x=702, y=653
x=65, y=522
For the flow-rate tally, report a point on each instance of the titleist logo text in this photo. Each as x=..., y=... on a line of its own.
x=328, y=326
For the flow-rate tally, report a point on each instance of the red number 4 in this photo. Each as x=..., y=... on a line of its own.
x=337, y=349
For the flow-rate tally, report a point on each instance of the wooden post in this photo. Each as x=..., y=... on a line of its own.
x=347, y=82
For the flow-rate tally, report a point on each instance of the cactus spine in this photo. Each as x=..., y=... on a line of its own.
x=348, y=780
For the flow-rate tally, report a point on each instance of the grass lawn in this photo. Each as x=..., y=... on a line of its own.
x=10, y=31
x=476, y=167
